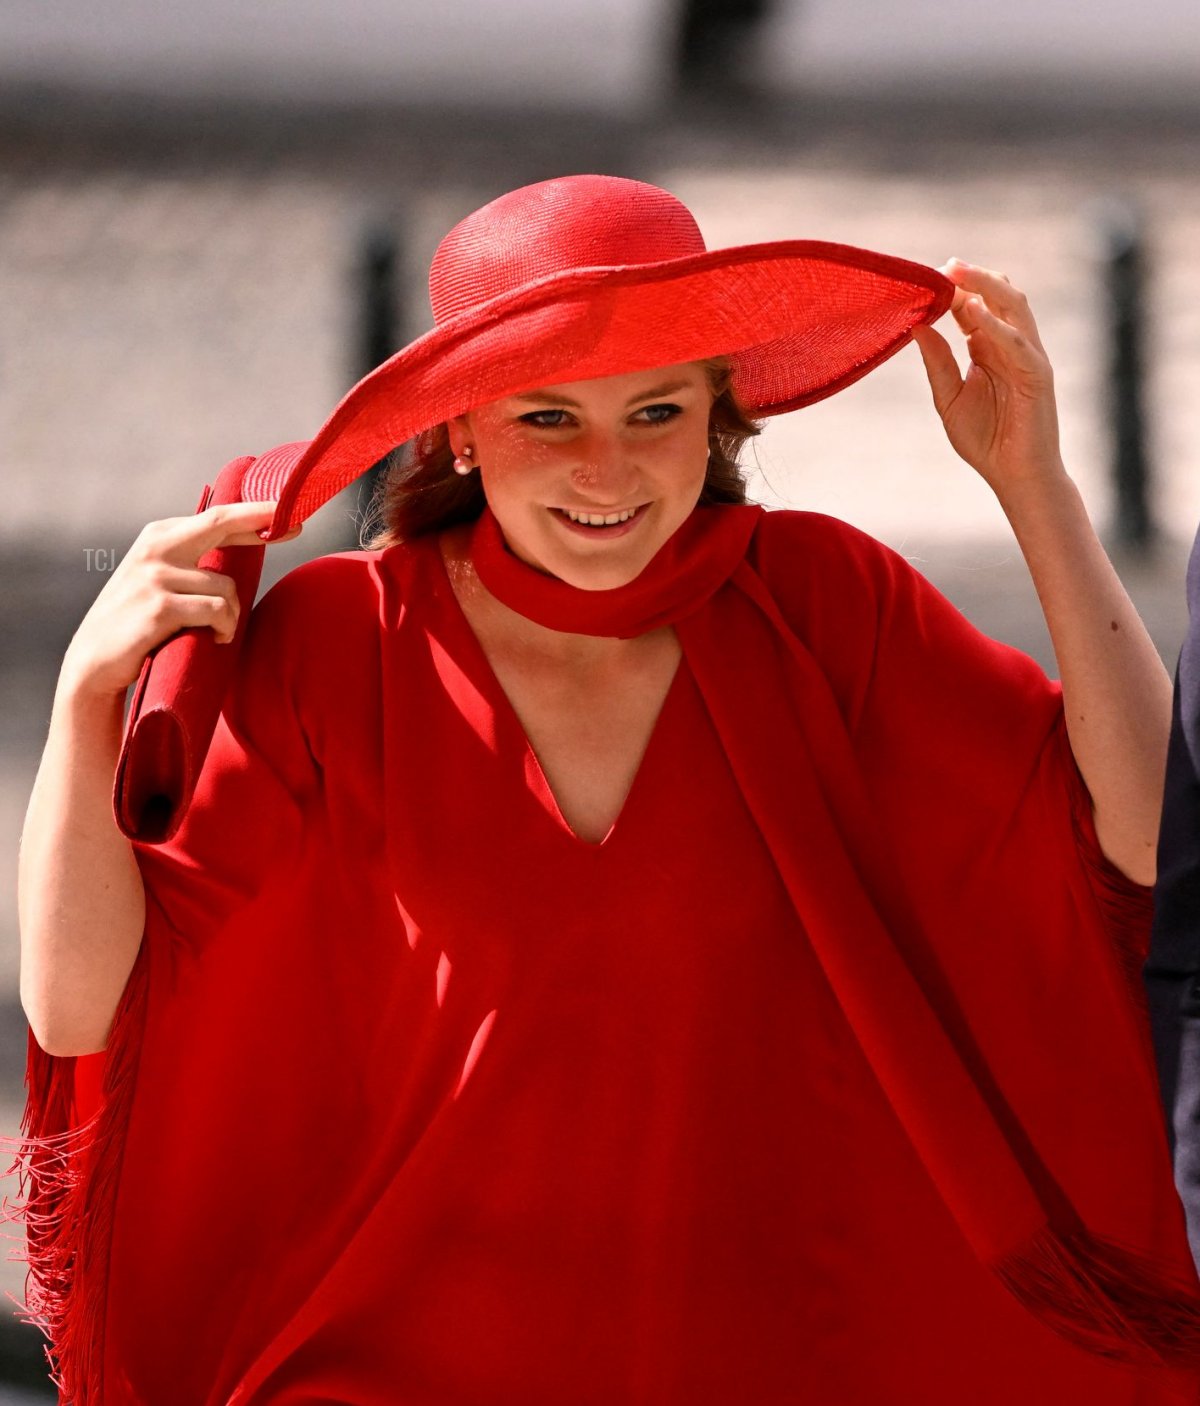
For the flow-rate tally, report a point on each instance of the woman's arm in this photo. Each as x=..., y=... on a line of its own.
x=1001, y=418
x=80, y=896
x=79, y=892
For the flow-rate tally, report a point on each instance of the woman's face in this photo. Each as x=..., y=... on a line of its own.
x=631, y=444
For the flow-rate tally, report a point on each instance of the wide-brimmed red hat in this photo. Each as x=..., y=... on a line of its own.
x=588, y=276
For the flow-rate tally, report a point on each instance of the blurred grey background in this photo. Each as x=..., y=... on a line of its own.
x=214, y=218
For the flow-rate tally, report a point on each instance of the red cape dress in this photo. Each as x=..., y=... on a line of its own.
x=421, y=1099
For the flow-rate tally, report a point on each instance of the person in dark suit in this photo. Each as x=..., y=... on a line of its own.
x=1172, y=972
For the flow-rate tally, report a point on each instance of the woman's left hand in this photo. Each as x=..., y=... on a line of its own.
x=1001, y=417
x=1116, y=694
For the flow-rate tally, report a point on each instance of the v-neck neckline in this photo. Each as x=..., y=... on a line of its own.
x=531, y=762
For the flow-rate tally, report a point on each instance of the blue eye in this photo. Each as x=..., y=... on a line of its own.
x=558, y=419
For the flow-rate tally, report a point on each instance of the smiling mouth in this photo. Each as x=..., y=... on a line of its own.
x=599, y=521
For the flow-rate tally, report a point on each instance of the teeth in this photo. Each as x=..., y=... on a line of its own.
x=600, y=519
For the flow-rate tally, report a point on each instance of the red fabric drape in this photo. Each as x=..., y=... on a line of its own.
x=276, y=1079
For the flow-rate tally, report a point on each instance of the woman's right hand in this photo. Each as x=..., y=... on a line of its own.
x=156, y=590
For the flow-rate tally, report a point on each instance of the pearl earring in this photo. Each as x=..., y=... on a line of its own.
x=462, y=462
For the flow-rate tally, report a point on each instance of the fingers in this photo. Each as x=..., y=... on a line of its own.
x=205, y=611
x=941, y=367
x=999, y=296
x=195, y=596
x=238, y=525
x=184, y=540
x=996, y=344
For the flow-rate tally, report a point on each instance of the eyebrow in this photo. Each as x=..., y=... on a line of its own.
x=549, y=398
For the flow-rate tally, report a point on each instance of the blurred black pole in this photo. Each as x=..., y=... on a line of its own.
x=378, y=321
x=1125, y=275
x=715, y=45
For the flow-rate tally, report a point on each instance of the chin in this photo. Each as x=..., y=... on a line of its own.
x=607, y=579
x=588, y=570
x=604, y=572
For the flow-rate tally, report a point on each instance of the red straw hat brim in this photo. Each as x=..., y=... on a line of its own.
x=800, y=320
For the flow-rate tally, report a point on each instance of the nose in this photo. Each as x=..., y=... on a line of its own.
x=605, y=471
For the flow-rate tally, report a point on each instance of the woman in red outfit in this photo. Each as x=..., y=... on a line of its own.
x=620, y=945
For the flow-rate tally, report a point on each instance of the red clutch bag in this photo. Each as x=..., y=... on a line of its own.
x=178, y=695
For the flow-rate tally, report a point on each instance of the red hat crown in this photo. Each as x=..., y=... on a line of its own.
x=548, y=228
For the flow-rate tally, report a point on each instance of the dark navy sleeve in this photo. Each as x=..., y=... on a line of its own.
x=1172, y=971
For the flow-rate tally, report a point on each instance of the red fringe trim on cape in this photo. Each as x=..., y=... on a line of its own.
x=68, y=1172
x=1106, y=1299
